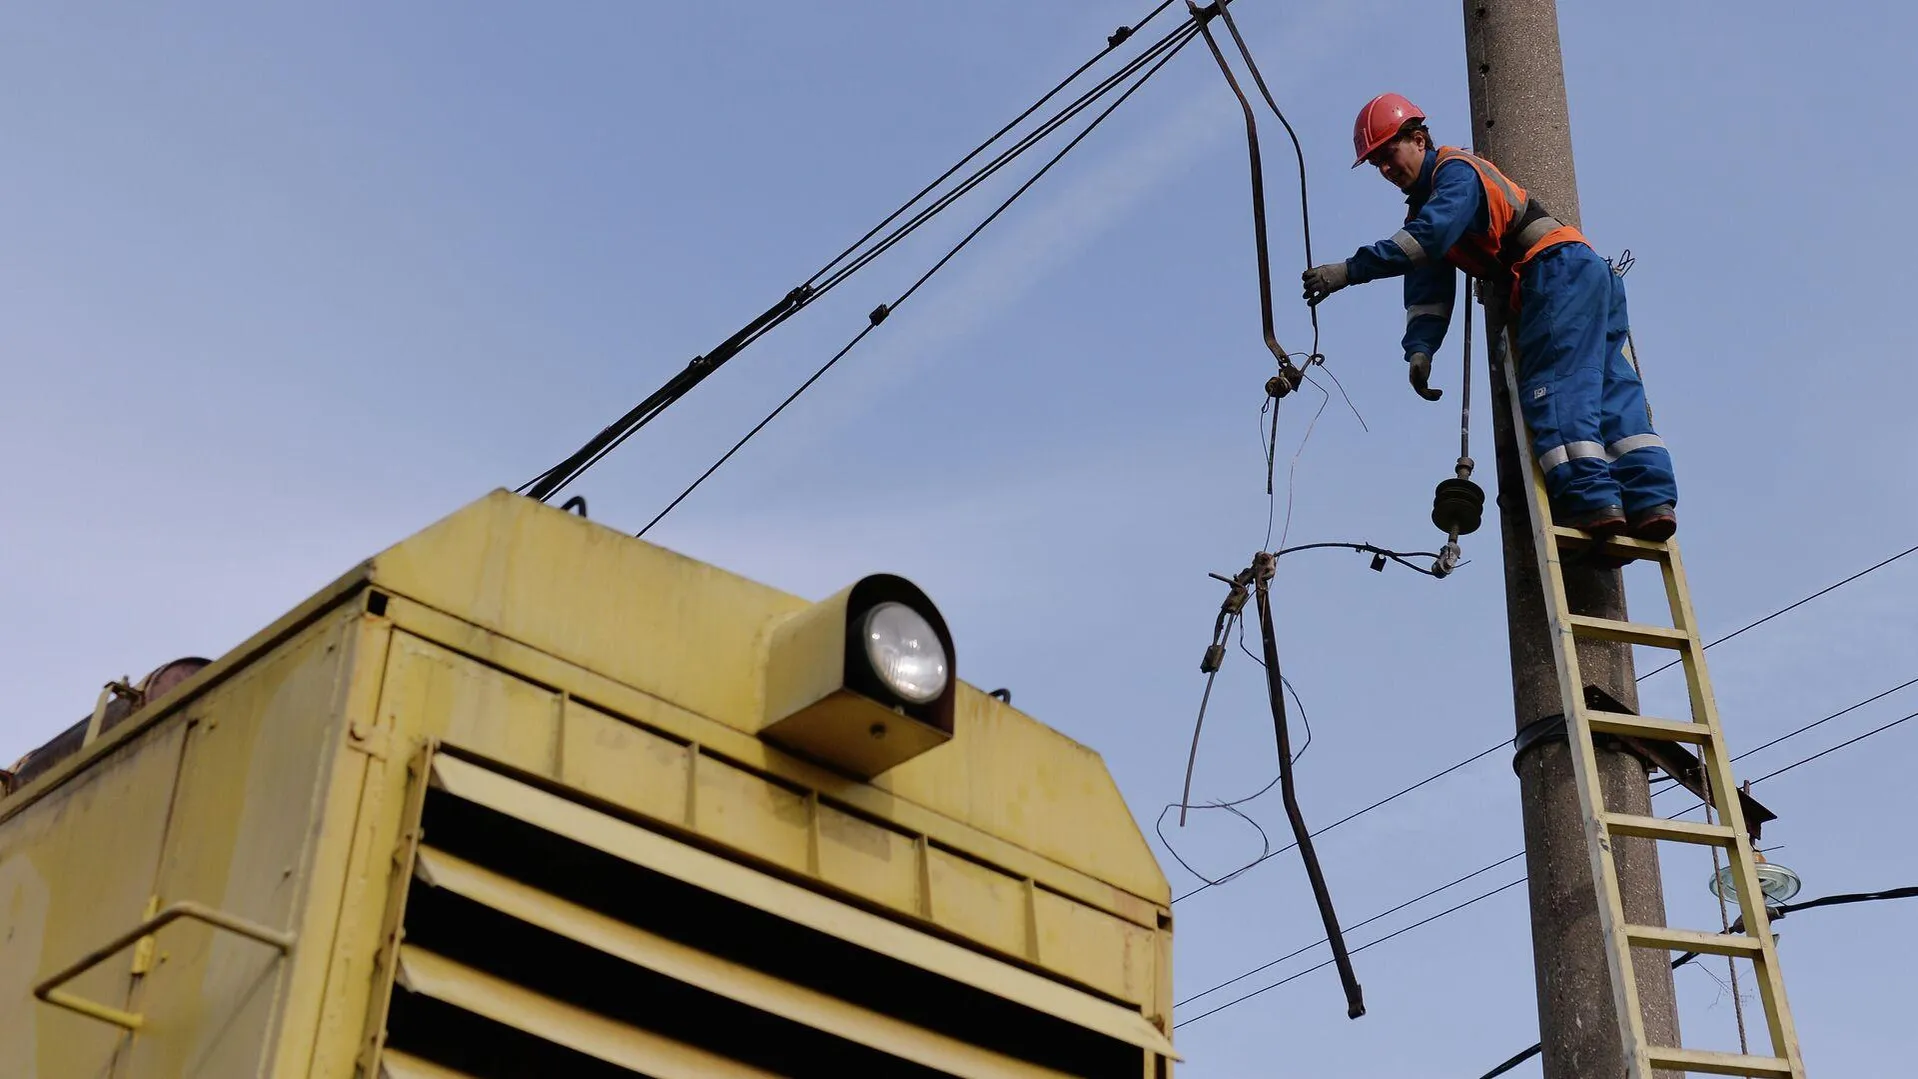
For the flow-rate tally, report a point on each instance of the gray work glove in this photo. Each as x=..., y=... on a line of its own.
x=1323, y=281
x=1419, y=366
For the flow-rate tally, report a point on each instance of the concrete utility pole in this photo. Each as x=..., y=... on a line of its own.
x=1519, y=121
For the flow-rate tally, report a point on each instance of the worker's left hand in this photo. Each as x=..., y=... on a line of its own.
x=1420, y=366
x=1323, y=281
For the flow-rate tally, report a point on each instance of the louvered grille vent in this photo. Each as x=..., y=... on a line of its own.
x=530, y=953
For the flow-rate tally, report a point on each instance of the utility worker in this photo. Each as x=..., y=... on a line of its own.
x=1605, y=469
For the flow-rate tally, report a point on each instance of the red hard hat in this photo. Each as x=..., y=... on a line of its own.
x=1379, y=122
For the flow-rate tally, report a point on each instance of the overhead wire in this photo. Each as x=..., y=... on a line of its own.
x=1007, y=156
x=1503, y=743
x=1836, y=748
x=1118, y=38
x=1784, y=610
x=1183, y=37
x=1212, y=989
x=1777, y=911
x=1421, y=897
x=1795, y=732
x=1481, y=897
x=554, y=479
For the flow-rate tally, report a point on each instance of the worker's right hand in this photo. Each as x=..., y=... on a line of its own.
x=1420, y=369
x=1323, y=281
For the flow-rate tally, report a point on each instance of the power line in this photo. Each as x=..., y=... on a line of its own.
x=1487, y=751
x=1777, y=913
x=551, y=481
x=1347, y=818
x=1794, y=606
x=1357, y=925
x=1818, y=722
x=1836, y=748
x=1183, y=37
x=1395, y=933
x=1487, y=895
x=1120, y=37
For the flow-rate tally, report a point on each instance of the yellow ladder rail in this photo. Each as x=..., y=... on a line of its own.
x=1729, y=831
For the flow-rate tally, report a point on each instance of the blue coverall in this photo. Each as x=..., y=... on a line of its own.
x=1580, y=395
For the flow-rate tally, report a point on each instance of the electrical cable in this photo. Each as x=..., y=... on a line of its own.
x=609, y=438
x=1848, y=709
x=1836, y=748
x=1342, y=820
x=1898, y=893
x=1007, y=156
x=1777, y=912
x=1368, y=944
x=1185, y=36
x=1292, y=472
x=1453, y=883
x=1119, y=37
x=1800, y=603
x=1502, y=743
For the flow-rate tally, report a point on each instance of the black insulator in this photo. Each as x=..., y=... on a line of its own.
x=1458, y=506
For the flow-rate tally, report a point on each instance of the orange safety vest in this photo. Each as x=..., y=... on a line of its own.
x=1518, y=228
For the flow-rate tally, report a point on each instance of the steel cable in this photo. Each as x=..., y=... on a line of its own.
x=1184, y=35
x=1895, y=894
x=554, y=479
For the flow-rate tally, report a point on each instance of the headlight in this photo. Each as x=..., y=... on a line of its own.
x=905, y=652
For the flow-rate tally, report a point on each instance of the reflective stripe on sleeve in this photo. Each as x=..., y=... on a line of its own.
x=1410, y=245
x=1420, y=310
x=1559, y=455
x=1634, y=442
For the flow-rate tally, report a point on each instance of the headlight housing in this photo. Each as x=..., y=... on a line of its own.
x=863, y=680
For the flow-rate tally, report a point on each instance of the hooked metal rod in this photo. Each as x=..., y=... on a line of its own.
x=1258, y=202
x=1275, y=688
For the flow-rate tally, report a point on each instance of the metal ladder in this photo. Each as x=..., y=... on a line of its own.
x=1702, y=731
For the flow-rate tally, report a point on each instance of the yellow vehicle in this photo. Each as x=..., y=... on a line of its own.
x=524, y=796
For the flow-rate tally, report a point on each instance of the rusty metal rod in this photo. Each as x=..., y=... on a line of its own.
x=1275, y=689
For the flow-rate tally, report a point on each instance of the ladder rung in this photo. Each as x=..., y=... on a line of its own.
x=1611, y=629
x=1657, y=730
x=1737, y=945
x=1672, y=1058
x=1675, y=831
x=1616, y=546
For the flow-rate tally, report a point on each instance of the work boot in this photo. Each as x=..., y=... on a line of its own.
x=1604, y=521
x=1655, y=524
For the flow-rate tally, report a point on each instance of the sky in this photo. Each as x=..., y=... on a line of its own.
x=284, y=285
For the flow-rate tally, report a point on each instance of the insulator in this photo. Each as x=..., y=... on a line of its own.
x=1458, y=506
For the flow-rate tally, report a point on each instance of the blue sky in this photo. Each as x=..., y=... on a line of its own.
x=282, y=287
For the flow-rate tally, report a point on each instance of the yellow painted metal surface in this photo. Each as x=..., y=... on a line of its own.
x=692, y=634
x=59, y=906
x=575, y=1028
x=734, y=981
x=284, y=786
x=726, y=878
